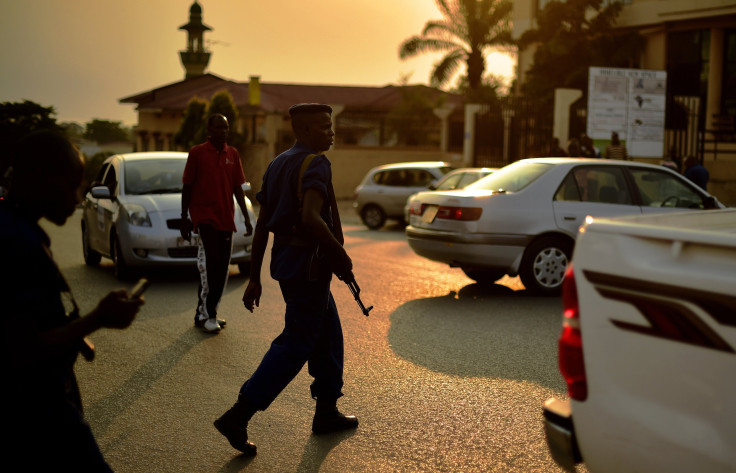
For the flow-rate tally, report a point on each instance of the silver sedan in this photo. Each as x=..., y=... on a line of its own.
x=132, y=214
x=523, y=219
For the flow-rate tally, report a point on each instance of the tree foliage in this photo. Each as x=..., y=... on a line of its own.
x=572, y=36
x=17, y=119
x=413, y=122
x=222, y=102
x=468, y=31
x=193, y=127
x=105, y=131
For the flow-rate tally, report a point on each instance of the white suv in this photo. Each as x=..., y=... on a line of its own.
x=384, y=190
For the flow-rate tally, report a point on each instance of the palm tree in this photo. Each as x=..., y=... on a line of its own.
x=468, y=30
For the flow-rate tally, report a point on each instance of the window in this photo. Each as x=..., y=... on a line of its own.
x=111, y=180
x=687, y=59
x=101, y=174
x=160, y=176
x=450, y=183
x=661, y=189
x=512, y=178
x=728, y=97
x=602, y=184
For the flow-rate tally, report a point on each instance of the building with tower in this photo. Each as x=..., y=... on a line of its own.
x=372, y=124
x=195, y=58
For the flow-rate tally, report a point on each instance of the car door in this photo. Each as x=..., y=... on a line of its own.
x=395, y=190
x=94, y=226
x=107, y=209
x=662, y=191
x=598, y=191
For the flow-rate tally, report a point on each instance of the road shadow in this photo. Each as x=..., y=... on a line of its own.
x=317, y=449
x=107, y=409
x=236, y=464
x=482, y=331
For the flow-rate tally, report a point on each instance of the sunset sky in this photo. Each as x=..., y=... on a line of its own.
x=82, y=56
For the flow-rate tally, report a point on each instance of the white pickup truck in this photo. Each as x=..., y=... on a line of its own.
x=648, y=346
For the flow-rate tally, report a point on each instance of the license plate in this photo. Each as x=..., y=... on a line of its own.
x=180, y=242
x=429, y=214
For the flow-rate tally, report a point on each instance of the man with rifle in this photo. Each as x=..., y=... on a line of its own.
x=298, y=206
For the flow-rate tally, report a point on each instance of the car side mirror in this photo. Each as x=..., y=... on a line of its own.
x=432, y=187
x=101, y=192
x=709, y=203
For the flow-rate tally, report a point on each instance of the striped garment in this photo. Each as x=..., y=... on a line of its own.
x=616, y=152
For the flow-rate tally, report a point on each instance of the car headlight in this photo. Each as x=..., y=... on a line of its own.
x=137, y=215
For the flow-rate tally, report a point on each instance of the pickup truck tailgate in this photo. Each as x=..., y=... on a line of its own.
x=657, y=299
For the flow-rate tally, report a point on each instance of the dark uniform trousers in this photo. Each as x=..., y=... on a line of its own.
x=312, y=334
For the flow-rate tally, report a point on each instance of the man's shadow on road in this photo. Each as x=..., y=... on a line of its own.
x=317, y=449
x=481, y=331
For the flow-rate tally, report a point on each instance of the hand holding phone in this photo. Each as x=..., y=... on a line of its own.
x=139, y=288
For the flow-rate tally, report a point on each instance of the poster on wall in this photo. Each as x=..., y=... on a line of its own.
x=630, y=102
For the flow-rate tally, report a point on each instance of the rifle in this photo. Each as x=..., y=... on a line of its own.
x=355, y=289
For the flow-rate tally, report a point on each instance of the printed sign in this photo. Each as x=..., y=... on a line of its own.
x=630, y=102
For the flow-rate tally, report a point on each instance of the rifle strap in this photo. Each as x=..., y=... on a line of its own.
x=336, y=224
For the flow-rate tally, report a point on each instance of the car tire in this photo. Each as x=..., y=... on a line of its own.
x=543, y=265
x=373, y=216
x=91, y=257
x=120, y=268
x=244, y=268
x=483, y=276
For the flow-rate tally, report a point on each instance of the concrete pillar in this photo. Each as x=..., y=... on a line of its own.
x=564, y=98
x=715, y=76
x=443, y=113
x=469, y=136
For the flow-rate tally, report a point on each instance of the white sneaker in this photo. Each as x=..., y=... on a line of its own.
x=211, y=326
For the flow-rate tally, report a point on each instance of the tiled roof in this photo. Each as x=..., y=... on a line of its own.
x=275, y=98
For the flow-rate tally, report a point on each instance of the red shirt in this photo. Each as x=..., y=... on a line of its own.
x=213, y=175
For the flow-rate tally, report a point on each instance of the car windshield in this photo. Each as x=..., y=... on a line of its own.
x=512, y=178
x=154, y=176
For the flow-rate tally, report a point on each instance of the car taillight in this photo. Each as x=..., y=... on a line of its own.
x=572, y=365
x=459, y=213
x=417, y=208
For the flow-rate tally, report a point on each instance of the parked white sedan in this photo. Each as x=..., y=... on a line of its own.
x=523, y=219
x=132, y=215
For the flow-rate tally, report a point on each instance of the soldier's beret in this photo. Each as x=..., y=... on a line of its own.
x=302, y=108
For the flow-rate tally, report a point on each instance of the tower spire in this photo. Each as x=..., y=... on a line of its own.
x=195, y=58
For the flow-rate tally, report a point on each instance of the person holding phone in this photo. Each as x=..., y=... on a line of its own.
x=213, y=174
x=43, y=331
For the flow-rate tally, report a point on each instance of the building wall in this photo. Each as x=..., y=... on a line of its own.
x=349, y=165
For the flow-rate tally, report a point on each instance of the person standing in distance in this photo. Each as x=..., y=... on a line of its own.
x=297, y=206
x=696, y=172
x=213, y=174
x=43, y=333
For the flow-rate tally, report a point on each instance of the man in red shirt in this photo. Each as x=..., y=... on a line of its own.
x=213, y=174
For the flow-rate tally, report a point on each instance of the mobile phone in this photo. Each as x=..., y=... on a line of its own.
x=139, y=288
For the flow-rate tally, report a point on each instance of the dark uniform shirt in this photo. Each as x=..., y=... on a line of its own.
x=34, y=298
x=279, y=195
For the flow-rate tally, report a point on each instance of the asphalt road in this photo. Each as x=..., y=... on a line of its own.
x=445, y=375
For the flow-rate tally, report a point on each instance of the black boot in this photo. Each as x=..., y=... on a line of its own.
x=233, y=424
x=328, y=419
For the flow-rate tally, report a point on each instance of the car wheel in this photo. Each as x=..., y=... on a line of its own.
x=373, y=216
x=244, y=268
x=484, y=276
x=91, y=257
x=543, y=265
x=120, y=268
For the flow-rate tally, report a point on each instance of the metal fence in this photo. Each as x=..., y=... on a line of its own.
x=512, y=129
